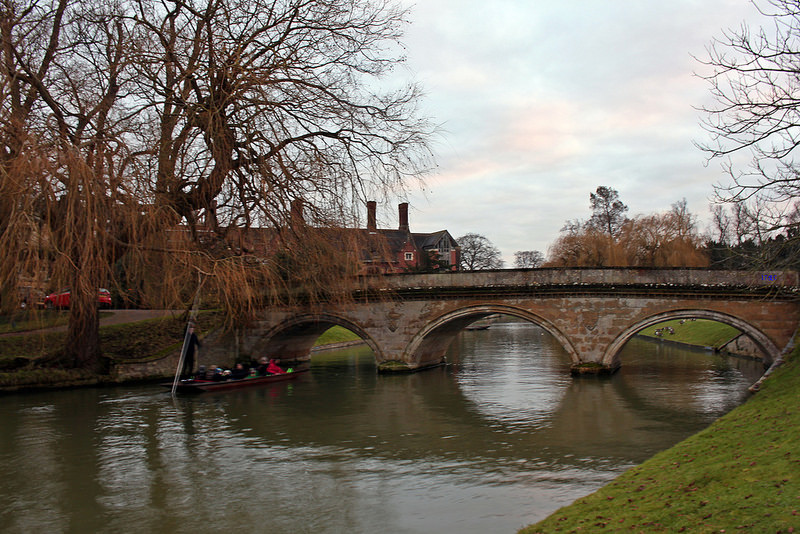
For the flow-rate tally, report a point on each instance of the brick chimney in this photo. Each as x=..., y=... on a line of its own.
x=403, y=209
x=296, y=214
x=372, y=224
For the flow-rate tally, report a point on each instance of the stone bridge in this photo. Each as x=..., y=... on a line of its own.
x=410, y=320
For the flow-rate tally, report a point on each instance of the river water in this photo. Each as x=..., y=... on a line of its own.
x=499, y=438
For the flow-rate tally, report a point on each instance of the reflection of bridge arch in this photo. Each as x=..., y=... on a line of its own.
x=438, y=404
x=767, y=347
x=294, y=337
x=437, y=335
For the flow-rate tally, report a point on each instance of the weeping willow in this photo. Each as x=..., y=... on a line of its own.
x=145, y=148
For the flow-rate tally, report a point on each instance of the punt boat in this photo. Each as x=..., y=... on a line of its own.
x=201, y=386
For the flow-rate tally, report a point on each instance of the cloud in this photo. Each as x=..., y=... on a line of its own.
x=541, y=102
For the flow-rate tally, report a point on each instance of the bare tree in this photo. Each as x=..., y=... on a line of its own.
x=272, y=102
x=684, y=222
x=74, y=106
x=478, y=253
x=151, y=118
x=754, y=80
x=528, y=259
x=743, y=236
x=720, y=224
x=21, y=163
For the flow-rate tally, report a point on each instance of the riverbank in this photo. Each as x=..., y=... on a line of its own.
x=739, y=474
x=337, y=336
x=698, y=333
x=126, y=336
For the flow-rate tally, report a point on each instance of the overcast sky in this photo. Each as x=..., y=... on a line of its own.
x=542, y=101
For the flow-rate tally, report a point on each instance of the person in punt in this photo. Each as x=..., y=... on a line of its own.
x=217, y=374
x=239, y=371
x=274, y=369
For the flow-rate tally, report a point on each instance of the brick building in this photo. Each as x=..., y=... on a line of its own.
x=402, y=250
x=379, y=250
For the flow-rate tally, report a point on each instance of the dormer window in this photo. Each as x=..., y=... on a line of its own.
x=409, y=256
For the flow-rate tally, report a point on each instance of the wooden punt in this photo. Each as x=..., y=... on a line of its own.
x=203, y=386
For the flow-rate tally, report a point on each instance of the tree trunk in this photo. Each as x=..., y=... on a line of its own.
x=82, y=348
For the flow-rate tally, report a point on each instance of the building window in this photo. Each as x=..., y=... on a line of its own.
x=409, y=256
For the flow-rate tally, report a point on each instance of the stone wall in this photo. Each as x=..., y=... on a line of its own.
x=742, y=345
x=593, y=276
x=216, y=348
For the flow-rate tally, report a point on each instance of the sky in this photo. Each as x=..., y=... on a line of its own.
x=539, y=102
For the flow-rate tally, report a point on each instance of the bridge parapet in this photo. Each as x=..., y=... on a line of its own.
x=787, y=280
x=548, y=282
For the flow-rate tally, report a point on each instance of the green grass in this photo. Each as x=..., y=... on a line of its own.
x=741, y=474
x=336, y=334
x=702, y=332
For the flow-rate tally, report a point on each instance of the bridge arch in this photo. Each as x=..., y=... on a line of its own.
x=431, y=342
x=762, y=341
x=294, y=337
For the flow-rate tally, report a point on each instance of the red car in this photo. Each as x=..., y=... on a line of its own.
x=61, y=299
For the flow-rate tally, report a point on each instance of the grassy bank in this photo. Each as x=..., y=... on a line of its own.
x=20, y=355
x=336, y=334
x=741, y=474
x=701, y=332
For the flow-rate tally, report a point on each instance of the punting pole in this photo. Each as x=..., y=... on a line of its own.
x=187, y=335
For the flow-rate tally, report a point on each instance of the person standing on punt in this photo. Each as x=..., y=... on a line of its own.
x=191, y=349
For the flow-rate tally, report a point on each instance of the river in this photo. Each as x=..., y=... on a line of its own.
x=499, y=438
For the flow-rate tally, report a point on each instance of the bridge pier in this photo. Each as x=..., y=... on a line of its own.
x=401, y=367
x=593, y=368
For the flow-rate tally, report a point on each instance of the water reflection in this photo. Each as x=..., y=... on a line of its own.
x=497, y=439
